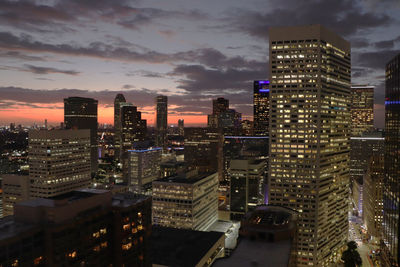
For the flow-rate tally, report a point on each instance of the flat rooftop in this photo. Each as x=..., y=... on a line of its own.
x=180, y=247
x=183, y=180
x=127, y=199
x=257, y=253
x=10, y=228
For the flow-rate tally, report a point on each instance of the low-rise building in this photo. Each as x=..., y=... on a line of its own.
x=15, y=189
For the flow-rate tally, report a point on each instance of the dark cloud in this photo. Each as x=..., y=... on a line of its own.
x=20, y=56
x=375, y=59
x=48, y=70
x=146, y=73
x=359, y=42
x=385, y=44
x=343, y=16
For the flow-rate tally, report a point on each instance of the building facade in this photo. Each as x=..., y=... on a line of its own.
x=309, y=136
x=161, y=120
x=143, y=168
x=59, y=161
x=80, y=228
x=81, y=113
x=261, y=107
x=117, y=125
x=373, y=196
x=246, y=186
x=188, y=203
x=15, y=189
x=391, y=205
x=362, y=109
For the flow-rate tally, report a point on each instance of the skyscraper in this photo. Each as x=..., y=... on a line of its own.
x=161, y=120
x=362, y=109
x=59, y=161
x=391, y=186
x=81, y=113
x=181, y=127
x=119, y=99
x=261, y=107
x=309, y=136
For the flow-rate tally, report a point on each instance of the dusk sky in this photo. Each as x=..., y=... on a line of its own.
x=191, y=51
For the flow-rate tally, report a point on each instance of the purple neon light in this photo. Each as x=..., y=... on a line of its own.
x=264, y=90
x=261, y=82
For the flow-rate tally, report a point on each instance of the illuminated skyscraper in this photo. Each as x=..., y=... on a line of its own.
x=309, y=136
x=362, y=109
x=391, y=193
x=261, y=107
x=119, y=99
x=59, y=161
x=181, y=127
x=81, y=113
x=161, y=120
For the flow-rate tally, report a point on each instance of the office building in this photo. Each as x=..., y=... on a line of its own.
x=59, y=161
x=246, y=178
x=309, y=136
x=181, y=127
x=142, y=169
x=186, y=202
x=15, y=189
x=362, y=109
x=201, y=149
x=261, y=107
x=161, y=121
x=373, y=198
x=391, y=208
x=362, y=148
x=223, y=118
x=81, y=113
x=119, y=99
x=171, y=168
x=80, y=228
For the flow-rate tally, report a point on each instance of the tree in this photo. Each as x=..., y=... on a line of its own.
x=351, y=257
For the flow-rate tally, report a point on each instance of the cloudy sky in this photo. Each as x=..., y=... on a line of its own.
x=190, y=50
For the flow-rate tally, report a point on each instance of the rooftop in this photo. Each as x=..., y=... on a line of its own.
x=127, y=199
x=9, y=227
x=184, y=180
x=179, y=247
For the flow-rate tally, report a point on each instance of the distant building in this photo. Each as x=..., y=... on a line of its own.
x=224, y=119
x=171, y=168
x=59, y=161
x=81, y=113
x=267, y=238
x=119, y=99
x=391, y=201
x=246, y=186
x=373, y=196
x=142, y=169
x=183, y=247
x=188, y=203
x=362, y=109
x=80, y=228
x=181, y=127
x=15, y=189
x=201, y=149
x=261, y=107
x=161, y=121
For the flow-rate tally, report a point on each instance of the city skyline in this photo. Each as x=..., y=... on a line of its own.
x=52, y=50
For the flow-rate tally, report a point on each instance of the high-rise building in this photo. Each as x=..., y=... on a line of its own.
x=310, y=100
x=181, y=127
x=161, y=121
x=142, y=169
x=362, y=109
x=15, y=189
x=133, y=127
x=81, y=228
x=246, y=178
x=81, y=113
x=59, y=161
x=391, y=193
x=119, y=99
x=362, y=148
x=261, y=107
x=373, y=199
x=201, y=149
x=223, y=118
x=186, y=202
